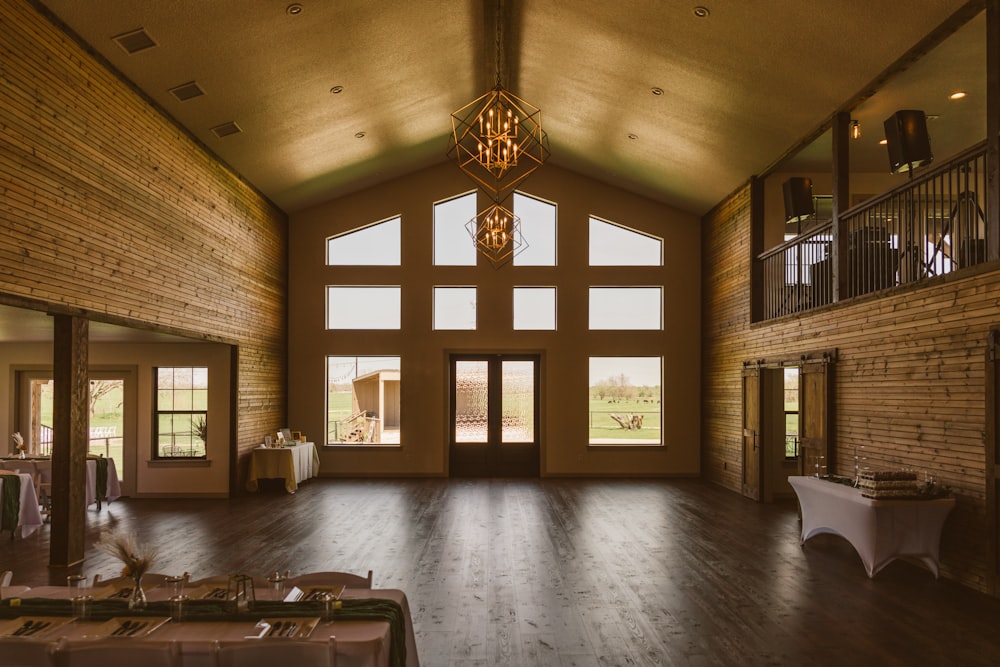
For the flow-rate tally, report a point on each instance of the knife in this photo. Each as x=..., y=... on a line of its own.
x=38, y=626
x=136, y=627
x=291, y=627
x=24, y=628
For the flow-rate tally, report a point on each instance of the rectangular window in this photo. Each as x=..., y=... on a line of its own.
x=362, y=400
x=535, y=308
x=626, y=308
x=625, y=404
x=181, y=412
x=454, y=308
x=363, y=307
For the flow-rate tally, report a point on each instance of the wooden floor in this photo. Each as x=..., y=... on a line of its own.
x=570, y=572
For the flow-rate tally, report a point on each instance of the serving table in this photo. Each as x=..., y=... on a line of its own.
x=292, y=464
x=29, y=516
x=364, y=636
x=879, y=530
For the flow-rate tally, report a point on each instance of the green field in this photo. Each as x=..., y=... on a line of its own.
x=600, y=423
x=602, y=426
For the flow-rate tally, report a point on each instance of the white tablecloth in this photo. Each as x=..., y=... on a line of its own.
x=879, y=530
x=359, y=643
x=292, y=464
x=30, y=516
x=114, y=489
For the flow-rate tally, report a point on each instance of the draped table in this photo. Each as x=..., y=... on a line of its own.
x=101, y=476
x=292, y=464
x=22, y=517
x=879, y=530
x=364, y=637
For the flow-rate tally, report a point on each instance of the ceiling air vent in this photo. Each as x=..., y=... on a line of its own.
x=135, y=41
x=226, y=129
x=187, y=91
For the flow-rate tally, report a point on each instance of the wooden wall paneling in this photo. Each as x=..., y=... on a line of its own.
x=908, y=386
x=115, y=212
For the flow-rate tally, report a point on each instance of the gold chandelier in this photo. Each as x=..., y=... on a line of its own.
x=497, y=140
x=496, y=231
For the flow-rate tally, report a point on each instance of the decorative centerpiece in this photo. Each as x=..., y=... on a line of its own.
x=19, y=445
x=137, y=560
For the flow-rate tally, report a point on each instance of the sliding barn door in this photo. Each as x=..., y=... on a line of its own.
x=815, y=390
x=993, y=458
x=752, y=452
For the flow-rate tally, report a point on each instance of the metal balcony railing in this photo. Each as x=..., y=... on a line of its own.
x=931, y=225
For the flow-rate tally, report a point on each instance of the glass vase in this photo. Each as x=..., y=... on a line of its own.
x=137, y=598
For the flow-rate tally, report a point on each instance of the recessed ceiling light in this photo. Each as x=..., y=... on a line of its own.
x=337, y=89
x=656, y=91
x=293, y=9
x=883, y=142
x=701, y=12
x=359, y=135
x=957, y=95
x=633, y=136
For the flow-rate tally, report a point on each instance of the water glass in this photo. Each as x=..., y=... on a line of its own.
x=277, y=581
x=177, y=603
x=175, y=584
x=76, y=583
x=80, y=605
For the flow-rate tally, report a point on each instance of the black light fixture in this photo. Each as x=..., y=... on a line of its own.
x=907, y=140
x=798, y=192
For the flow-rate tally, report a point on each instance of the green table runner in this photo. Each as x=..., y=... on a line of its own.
x=101, y=478
x=11, y=502
x=361, y=609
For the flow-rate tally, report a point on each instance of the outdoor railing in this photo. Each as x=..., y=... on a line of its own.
x=931, y=225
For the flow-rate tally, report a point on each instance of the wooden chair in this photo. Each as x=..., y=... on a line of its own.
x=102, y=653
x=18, y=651
x=270, y=652
x=331, y=579
x=43, y=484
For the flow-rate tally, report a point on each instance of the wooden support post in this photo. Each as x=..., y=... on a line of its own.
x=841, y=200
x=756, y=248
x=70, y=433
x=993, y=130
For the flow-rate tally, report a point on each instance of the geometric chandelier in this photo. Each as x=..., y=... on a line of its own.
x=496, y=232
x=497, y=140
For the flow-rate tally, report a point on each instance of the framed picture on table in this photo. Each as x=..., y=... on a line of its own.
x=296, y=436
x=286, y=435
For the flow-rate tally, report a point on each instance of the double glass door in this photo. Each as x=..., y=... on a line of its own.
x=494, y=416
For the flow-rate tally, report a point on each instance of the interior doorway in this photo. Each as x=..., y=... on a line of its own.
x=112, y=417
x=786, y=424
x=494, y=415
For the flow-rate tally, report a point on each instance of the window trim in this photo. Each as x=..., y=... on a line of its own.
x=155, y=426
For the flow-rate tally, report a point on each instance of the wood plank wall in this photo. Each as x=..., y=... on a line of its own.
x=908, y=383
x=108, y=207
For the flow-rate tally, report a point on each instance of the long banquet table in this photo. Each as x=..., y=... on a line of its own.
x=879, y=530
x=360, y=643
x=97, y=489
x=29, y=516
x=293, y=464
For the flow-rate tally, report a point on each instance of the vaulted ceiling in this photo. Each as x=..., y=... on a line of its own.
x=741, y=81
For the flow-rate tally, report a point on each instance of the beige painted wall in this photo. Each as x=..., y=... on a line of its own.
x=424, y=352
x=187, y=479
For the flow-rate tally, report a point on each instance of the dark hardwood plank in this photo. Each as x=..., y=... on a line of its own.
x=569, y=572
